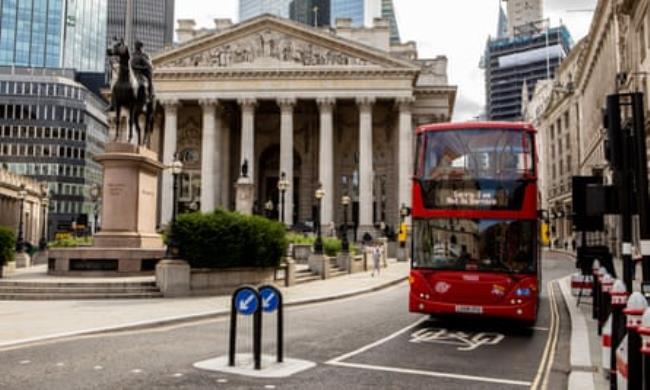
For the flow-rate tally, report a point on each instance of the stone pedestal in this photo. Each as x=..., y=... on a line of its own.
x=173, y=278
x=22, y=260
x=245, y=190
x=129, y=198
x=128, y=243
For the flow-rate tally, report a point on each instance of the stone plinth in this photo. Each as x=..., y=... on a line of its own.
x=92, y=261
x=129, y=198
x=245, y=191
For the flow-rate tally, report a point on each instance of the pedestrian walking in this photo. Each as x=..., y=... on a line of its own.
x=376, y=260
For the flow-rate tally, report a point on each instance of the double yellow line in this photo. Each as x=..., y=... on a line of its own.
x=546, y=364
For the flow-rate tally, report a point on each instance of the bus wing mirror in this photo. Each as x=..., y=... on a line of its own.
x=542, y=214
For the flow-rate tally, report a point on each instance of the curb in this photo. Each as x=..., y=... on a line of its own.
x=191, y=317
x=580, y=376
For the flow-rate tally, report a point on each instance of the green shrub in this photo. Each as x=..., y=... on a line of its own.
x=331, y=246
x=300, y=239
x=7, y=245
x=71, y=242
x=228, y=240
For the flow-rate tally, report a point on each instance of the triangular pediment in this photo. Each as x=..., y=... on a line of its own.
x=270, y=42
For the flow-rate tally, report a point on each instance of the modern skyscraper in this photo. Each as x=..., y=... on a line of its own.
x=523, y=12
x=53, y=34
x=310, y=12
x=362, y=12
x=251, y=8
x=153, y=22
x=531, y=54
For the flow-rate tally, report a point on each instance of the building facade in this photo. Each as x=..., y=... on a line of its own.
x=35, y=209
x=153, y=23
x=522, y=13
x=556, y=114
x=51, y=128
x=53, y=34
x=249, y=9
x=310, y=12
x=288, y=100
x=511, y=61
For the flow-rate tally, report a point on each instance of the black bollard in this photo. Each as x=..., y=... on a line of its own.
x=251, y=306
x=604, y=309
x=618, y=298
x=636, y=306
x=595, y=287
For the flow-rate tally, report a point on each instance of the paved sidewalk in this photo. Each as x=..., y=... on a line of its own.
x=42, y=320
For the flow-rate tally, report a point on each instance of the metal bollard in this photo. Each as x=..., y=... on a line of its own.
x=635, y=308
x=644, y=332
x=606, y=283
x=618, y=298
x=595, y=287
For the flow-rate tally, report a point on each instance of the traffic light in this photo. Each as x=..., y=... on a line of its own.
x=614, y=142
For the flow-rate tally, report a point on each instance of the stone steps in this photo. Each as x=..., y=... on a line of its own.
x=38, y=290
x=72, y=296
x=306, y=275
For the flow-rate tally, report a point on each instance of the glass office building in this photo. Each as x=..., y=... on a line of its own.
x=353, y=9
x=53, y=34
x=251, y=8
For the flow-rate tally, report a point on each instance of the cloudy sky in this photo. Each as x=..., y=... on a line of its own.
x=457, y=29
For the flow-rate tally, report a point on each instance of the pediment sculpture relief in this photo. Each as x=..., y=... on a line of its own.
x=267, y=45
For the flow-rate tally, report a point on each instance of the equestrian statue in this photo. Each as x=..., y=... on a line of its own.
x=133, y=90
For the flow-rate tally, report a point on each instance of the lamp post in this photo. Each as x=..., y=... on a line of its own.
x=345, y=244
x=172, y=248
x=283, y=186
x=20, y=242
x=45, y=201
x=318, y=245
x=94, y=197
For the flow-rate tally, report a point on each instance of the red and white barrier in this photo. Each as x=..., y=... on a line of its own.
x=607, y=346
x=584, y=282
x=621, y=364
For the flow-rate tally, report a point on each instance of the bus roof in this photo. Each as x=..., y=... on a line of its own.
x=476, y=126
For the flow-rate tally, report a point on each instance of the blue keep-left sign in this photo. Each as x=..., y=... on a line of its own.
x=246, y=302
x=270, y=299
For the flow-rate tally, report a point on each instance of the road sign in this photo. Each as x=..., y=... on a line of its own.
x=270, y=299
x=246, y=301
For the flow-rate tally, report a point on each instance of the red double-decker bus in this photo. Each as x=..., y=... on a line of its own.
x=475, y=248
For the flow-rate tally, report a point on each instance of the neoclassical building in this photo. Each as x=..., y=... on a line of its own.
x=333, y=106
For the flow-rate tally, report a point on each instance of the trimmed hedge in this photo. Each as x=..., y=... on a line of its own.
x=225, y=239
x=7, y=245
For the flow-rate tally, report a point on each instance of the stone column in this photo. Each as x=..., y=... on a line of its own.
x=169, y=149
x=226, y=182
x=286, y=154
x=210, y=166
x=246, y=184
x=365, y=165
x=326, y=159
x=405, y=165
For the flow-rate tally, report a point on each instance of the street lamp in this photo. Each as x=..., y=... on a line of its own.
x=345, y=244
x=45, y=201
x=94, y=197
x=172, y=246
x=283, y=186
x=20, y=243
x=318, y=245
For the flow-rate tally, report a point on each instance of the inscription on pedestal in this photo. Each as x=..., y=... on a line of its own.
x=115, y=189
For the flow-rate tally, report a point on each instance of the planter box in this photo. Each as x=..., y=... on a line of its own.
x=301, y=253
x=8, y=269
x=224, y=281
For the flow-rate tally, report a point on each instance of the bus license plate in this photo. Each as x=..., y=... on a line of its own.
x=469, y=309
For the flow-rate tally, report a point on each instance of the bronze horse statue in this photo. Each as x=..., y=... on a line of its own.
x=132, y=92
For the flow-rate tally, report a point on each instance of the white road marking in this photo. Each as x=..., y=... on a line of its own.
x=269, y=387
x=24, y=362
x=136, y=371
x=222, y=380
x=433, y=374
x=60, y=364
x=541, y=378
x=377, y=343
x=178, y=375
x=97, y=368
x=540, y=328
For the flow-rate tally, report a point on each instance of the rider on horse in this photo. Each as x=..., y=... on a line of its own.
x=142, y=70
